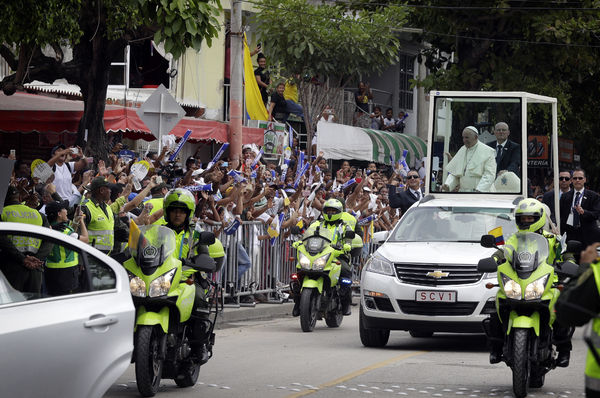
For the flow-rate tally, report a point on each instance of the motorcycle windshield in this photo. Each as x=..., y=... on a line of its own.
x=151, y=245
x=529, y=252
x=316, y=240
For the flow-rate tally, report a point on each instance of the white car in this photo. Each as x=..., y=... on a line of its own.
x=74, y=345
x=424, y=278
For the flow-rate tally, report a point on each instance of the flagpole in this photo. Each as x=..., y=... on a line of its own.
x=236, y=94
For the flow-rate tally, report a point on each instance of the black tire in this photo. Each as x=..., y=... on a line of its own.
x=189, y=375
x=371, y=337
x=334, y=318
x=148, y=367
x=416, y=333
x=308, y=310
x=520, y=362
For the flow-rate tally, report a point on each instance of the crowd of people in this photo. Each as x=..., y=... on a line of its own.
x=98, y=202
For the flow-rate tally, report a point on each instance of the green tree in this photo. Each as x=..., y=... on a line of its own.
x=326, y=46
x=35, y=32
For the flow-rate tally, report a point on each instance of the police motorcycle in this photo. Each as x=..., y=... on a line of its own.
x=317, y=281
x=168, y=323
x=528, y=290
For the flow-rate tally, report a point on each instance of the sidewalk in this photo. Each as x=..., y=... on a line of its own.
x=261, y=311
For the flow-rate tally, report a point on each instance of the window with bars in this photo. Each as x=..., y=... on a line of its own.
x=406, y=72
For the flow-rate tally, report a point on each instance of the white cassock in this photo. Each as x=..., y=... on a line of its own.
x=472, y=169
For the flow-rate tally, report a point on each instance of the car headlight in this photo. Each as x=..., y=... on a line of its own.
x=161, y=285
x=535, y=289
x=320, y=262
x=303, y=260
x=380, y=265
x=511, y=288
x=137, y=286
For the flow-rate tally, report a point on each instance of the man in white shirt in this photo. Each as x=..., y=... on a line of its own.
x=473, y=168
x=63, y=170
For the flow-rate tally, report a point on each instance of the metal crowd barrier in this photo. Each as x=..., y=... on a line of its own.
x=271, y=265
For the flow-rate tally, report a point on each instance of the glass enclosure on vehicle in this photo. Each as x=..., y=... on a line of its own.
x=452, y=224
x=489, y=142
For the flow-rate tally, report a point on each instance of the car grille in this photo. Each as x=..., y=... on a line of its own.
x=445, y=309
x=457, y=274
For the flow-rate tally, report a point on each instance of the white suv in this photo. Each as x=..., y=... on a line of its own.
x=424, y=278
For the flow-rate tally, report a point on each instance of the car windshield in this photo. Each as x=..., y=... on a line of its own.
x=452, y=224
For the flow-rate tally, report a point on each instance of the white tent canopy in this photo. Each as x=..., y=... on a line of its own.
x=339, y=141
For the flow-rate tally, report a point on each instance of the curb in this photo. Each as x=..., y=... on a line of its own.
x=260, y=311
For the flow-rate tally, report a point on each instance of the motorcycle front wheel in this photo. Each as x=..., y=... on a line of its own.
x=148, y=365
x=308, y=310
x=520, y=362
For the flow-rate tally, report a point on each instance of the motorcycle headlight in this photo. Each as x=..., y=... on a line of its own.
x=511, y=288
x=161, y=285
x=303, y=260
x=137, y=286
x=320, y=262
x=380, y=265
x=535, y=289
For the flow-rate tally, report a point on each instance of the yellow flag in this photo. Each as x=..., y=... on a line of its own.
x=134, y=236
x=254, y=103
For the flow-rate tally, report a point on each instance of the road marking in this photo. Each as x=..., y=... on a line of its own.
x=358, y=373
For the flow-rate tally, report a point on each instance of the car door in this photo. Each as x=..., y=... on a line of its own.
x=69, y=345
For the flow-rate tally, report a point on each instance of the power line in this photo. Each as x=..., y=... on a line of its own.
x=520, y=41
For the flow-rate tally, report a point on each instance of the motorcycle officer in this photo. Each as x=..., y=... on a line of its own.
x=579, y=303
x=179, y=205
x=531, y=217
x=334, y=216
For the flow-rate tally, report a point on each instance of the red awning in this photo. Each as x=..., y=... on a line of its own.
x=28, y=112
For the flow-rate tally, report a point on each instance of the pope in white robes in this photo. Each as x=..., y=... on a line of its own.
x=473, y=168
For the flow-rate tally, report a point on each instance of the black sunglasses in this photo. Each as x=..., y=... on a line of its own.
x=578, y=178
x=412, y=177
x=564, y=178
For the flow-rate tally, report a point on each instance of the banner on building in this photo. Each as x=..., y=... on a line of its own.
x=538, y=154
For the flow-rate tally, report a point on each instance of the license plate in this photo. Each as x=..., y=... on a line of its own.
x=435, y=296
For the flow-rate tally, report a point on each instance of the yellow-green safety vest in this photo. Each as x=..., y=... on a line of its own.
x=157, y=204
x=101, y=227
x=592, y=369
x=24, y=215
x=61, y=257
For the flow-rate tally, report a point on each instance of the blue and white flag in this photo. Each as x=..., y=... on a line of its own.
x=201, y=187
x=299, y=176
x=183, y=140
x=232, y=227
x=347, y=184
x=367, y=220
x=257, y=158
x=217, y=156
x=237, y=176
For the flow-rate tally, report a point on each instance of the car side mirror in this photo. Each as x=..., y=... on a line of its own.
x=569, y=268
x=488, y=241
x=349, y=234
x=574, y=246
x=206, y=238
x=487, y=264
x=380, y=237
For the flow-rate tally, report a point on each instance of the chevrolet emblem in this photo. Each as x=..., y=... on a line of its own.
x=437, y=274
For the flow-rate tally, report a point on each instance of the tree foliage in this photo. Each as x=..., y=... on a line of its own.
x=35, y=33
x=330, y=44
x=548, y=48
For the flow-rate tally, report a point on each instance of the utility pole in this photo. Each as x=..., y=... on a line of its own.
x=235, y=93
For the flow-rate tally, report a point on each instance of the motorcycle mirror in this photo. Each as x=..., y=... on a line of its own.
x=574, y=246
x=488, y=241
x=206, y=238
x=349, y=234
x=487, y=264
x=295, y=230
x=569, y=268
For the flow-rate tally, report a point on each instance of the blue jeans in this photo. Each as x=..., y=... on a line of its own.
x=244, y=263
x=295, y=108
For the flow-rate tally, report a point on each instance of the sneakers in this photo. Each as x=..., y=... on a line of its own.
x=562, y=361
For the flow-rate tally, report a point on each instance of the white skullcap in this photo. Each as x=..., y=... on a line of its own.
x=473, y=129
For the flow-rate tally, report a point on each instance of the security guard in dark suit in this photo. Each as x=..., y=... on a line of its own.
x=508, y=153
